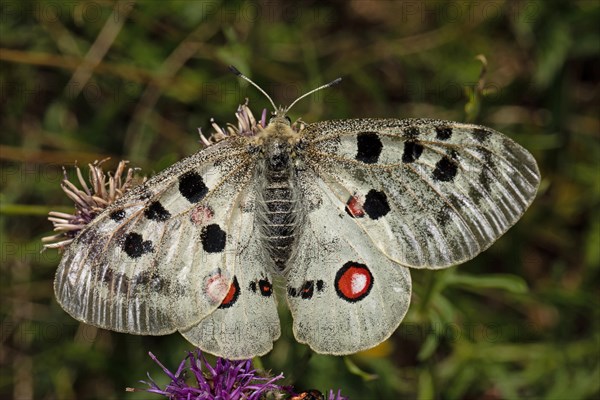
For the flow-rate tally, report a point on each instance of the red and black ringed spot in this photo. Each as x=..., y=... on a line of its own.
x=353, y=282
x=354, y=208
x=265, y=287
x=232, y=294
x=307, y=290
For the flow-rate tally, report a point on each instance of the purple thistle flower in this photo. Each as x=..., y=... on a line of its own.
x=196, y=379
x=228, y=380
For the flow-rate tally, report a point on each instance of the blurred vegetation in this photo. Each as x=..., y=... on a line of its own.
x=81, y=81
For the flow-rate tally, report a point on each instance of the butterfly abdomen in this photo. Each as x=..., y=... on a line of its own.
x=277, y=211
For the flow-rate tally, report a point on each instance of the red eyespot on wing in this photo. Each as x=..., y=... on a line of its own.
x=353, y=282
x=354, y=207
x=232, y=294
x=266, y=289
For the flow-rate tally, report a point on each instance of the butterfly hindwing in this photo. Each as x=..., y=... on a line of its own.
x=429, y=193
x=246, y=323
x=344, y=294
x=158, y=259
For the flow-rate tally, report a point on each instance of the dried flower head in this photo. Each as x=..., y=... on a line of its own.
x=103, y=190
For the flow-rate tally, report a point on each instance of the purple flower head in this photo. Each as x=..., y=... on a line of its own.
x=196, y=379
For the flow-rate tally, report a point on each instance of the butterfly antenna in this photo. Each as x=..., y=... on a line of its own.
x=244, y=77
x=330, y=84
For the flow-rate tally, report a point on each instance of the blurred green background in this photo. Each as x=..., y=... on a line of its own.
x=81, y=81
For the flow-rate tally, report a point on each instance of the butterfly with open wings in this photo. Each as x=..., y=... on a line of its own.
x=340, y=209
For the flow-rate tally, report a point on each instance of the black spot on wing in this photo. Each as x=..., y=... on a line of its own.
x=157, y=212
x=213, y=238
x=117, y=215
x=443, y=132
x=135, y=246
x=412, y=132
x=192, y=187
x=481, y=134
x=376, y=204
x=369, y=147
x=412, y=151
x=308, y=289
x=445, y=170
x=320, y=285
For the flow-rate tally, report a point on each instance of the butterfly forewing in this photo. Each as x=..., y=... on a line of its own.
x=429, y=193
x=161, y=257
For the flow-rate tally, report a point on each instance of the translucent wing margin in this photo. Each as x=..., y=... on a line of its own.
x=162, y=257
x=429, y=193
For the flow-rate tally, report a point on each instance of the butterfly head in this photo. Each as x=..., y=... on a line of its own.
x=280, y=117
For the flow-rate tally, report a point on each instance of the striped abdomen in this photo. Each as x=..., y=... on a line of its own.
x=278, y=215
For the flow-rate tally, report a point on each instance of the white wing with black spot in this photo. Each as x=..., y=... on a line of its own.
x=428, y=193
x=246, y=323
x=163, y=256
x=344, y=294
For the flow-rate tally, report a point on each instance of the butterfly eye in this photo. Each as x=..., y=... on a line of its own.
x=288, y=119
